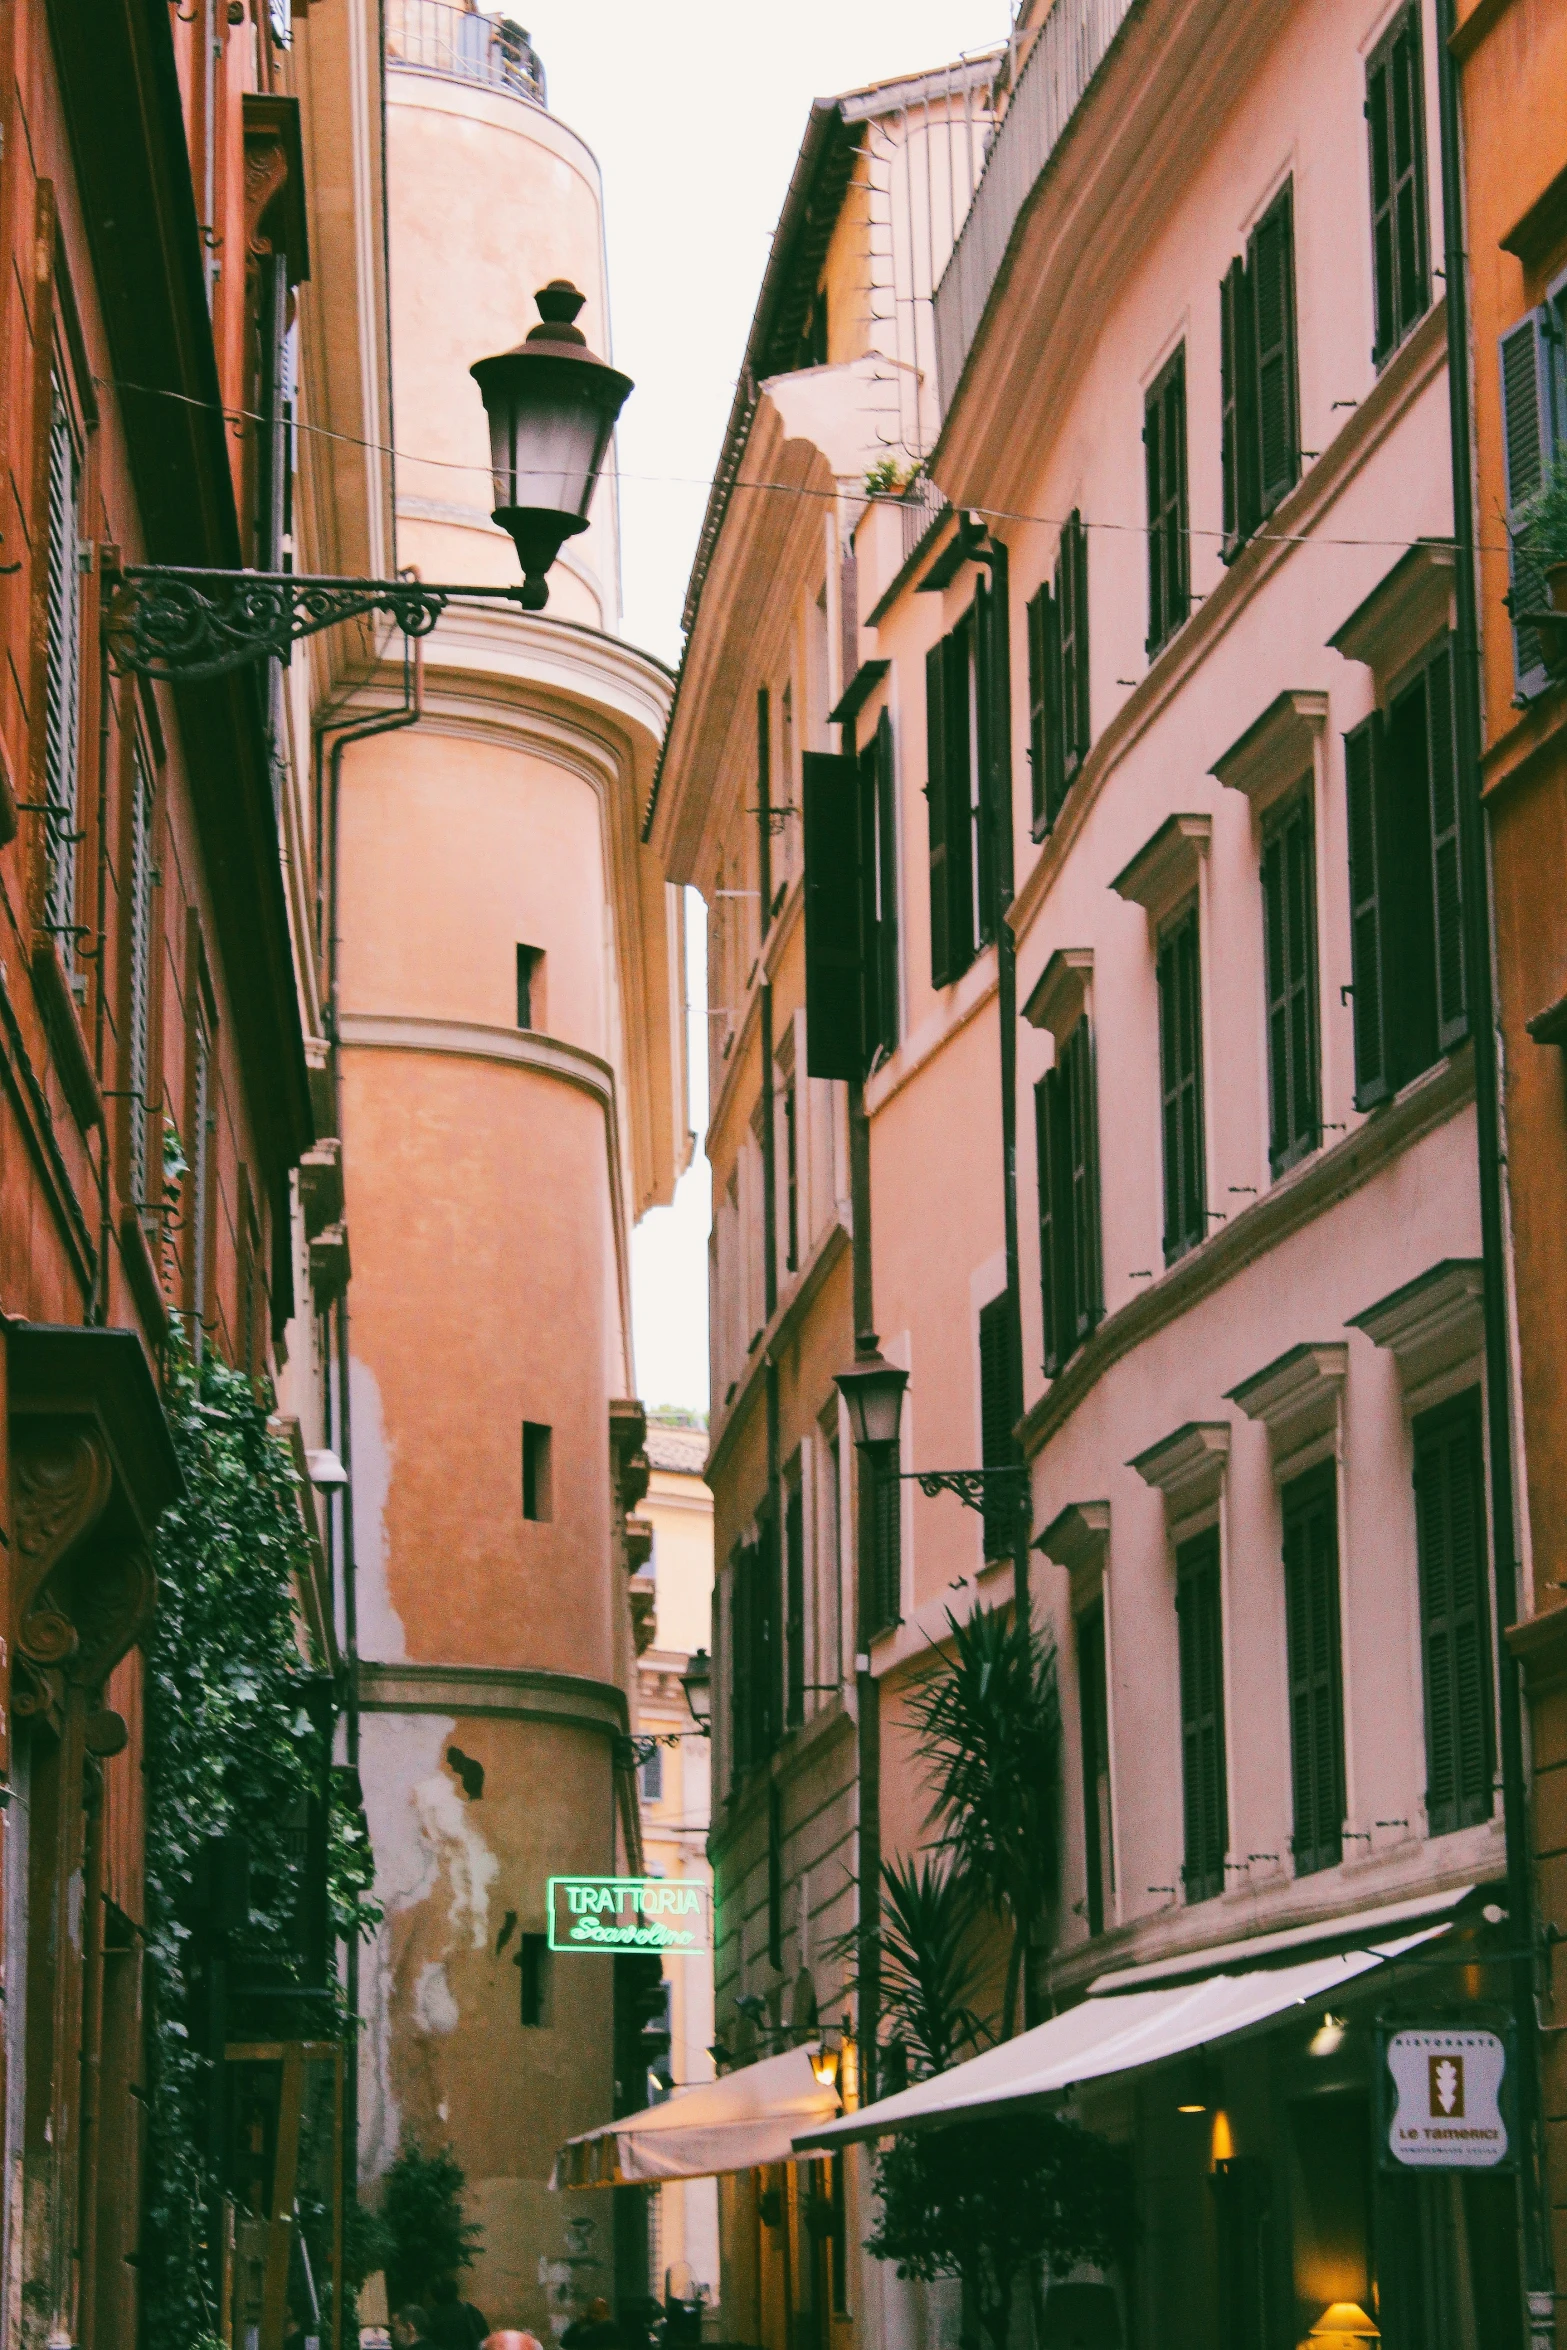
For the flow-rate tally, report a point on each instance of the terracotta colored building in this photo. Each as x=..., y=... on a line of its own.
x=513, y=1097
x=1512, y=74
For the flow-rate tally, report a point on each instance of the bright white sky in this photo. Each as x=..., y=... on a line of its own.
x=696, y=110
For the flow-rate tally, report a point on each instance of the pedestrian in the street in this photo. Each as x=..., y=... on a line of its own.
x=411, y=2327
x=596, y=2330
x=455, y=2324
x=509, y=2338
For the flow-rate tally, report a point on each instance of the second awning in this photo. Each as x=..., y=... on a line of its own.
x=748, y=2117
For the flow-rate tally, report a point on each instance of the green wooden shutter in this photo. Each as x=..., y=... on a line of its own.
x=1055, y=708
x=1526, y=441
x=1234, y=292
x=1311, y=1614
x=834, y=971
x=62, y=677
x=767, y=1621
x=963, y=733
x=868, y=791
x=1066, y=621
x=1379, y=119
x=1363, y=752
x=1395, y=114
x=1272, y=275
x=937, y=794
x=995, y=677
x=1409, y=961
x=1164, y=436
x=740, y=1639
x=764, y=804
x=794, y=1609
x=1077, y=1077
x=1455, y=1614
x=1045, y=1122
x=1093, y=1716
x=1452, y=1019
x=1000, y=1409
x=1153, y=473
x=885, y=953
x=1082, y=706
x=1205, y=1804
x=139, y=1009
x=1180, y=1055
x=887, y=1547
x=1037, y=626
x=1289, y=937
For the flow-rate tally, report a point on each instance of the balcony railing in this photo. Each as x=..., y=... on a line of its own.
x=1068, y=52
x=921, y=503
x=428, y=36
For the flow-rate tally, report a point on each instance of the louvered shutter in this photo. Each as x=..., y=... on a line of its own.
x=1037, y=624
x=62, y=677
x=963, y=744
x=1379, y=119
x=887, y=1546
x=994, y=604
x=1395, y=115
x=1093, y=1712
x=1446, y=859
x=764, y=804
x=1079, y=744
x=139, y=1008
x=1455, y=1614
x=740, y=1650
x=1204, y=1797
x=1362, y=761
x=1526, y=440
x=1311, y=1605
x=1409, y=960
x=834, y=982
x=1272, y=275
x=1234, y=292
x=1049, y=1271
x=1000, y=1409
x=1066, y=623
x=937, y=792
x=1180, y=1048
x=1055, y=710
x=1153, y=472
x=794, y=1598
x=1082, y=1169
x=869, y=869
x=1164, y=437
x=1289, y=936
x=884, y=953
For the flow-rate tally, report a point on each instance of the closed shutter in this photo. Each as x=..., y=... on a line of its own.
x=1526, y=439
x=139, y=1008
x=767, y=1624
x=1452, y=1021
x=1093, y=1713
x=1045, y=1125
x=1395, y=115
x=1000, y=1409
x=1311, y=1609
x=963, y=769
x=1180, y=1058
x=1272, y=273
x=834, y=1012
x=62, y=677
x=202, y=1123
x=741, y=1640
x=1289, y=934
x=942, y=968
x=1408, y=887
x=764, y=803
x=1077, y=1077
x=868, y=792
x=1055, y=709
x=794, y=1596
x=1041, y=628
x=1455, y=1614
x=994, y=678
x=1205, y=1805
x=886, y=1597
x=1237, y=380
x=885, y=951
x=1363, y=752
x=1164, y=437
x=1072, y=617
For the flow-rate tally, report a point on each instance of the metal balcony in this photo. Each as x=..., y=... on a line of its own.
x=428, y=36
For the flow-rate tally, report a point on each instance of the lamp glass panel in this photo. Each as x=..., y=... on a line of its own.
x=546, y=450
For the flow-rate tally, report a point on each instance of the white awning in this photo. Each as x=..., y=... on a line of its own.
x=1111, y=2032
x=748, y=2117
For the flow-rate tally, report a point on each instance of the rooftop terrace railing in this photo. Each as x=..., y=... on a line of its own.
x=430, y=36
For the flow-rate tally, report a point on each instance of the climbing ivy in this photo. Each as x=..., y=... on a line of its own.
x=230, y=1748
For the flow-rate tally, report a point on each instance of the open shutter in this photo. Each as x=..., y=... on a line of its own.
x=1093, y=1713
x=794, y=1611
x=1315, y=1667
x=1289, y=935
x=1526, y=438
x=1066, y=625
x=1045, y=1122
x=1153, y=472
x=1180, y=1054
x=834, y=982
x=1455, y=1614
x=1446, y=861
x=1395, y=116
x=937, y=794
x=1373, y=1061
x=1379, y=121
x=1037, y=624
x=1082, y=1091
x=741, y=1639
x=139, y=1040
x=962, y=711
x=869, y=869
x=883, y=952
x=887, y=1539
x=1176, y=551
x=995, y=681
x=1232, y=295
x=1000, y=1409
x=764, y=804
x=62, y=709
x=1078, y=744
x=1055, y=707
x=1204, y=1799
x=1272, y=275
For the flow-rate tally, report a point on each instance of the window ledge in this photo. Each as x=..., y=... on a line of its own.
x=1277, y=749
x=1166, y=867
x=1296, y=1398
x=1432, y=1326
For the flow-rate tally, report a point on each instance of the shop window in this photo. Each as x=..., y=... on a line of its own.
x=1327, y=2153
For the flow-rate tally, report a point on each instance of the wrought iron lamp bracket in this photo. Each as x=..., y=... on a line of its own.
x=969, y=1484
x=183, y=625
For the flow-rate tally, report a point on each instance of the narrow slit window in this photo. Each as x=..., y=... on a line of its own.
x=536, y=1467
x=533, y=1965
x=530, y=987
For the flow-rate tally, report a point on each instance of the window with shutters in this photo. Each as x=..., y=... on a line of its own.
x=1094, y=1716
x=1205, y=1801
x=62, y=675
x=794, y=1600
x=878, y=872
x=1164, y=457
x=1261, y=434
x=791, y=1128
x=1066, y=1133
x=740, y=1656
x=1059, y=730
x=1455, y=1614
x=829, y=1551
x=1395, y=123
x=968, y=789
x=1000, y=1409
x=1405, y=884
x=1289, y=926
x=203, y=1123
x=886, y=1587
x=1316, y=1680
x=764, y=804
x=849, y=806
x=1180, y=1077
x=1533, y=357
x=138, y=1007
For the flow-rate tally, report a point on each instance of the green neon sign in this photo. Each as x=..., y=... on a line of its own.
x=630, y=1913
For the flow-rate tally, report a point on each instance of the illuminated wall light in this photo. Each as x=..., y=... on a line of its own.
x=1328, y=2038
x=1223, y=2146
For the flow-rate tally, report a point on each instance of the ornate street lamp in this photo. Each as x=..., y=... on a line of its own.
x=697, y=1682
x=552, y=405
x=873, y=1395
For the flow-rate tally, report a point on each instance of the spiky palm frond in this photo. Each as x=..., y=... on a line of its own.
x=928, y=1969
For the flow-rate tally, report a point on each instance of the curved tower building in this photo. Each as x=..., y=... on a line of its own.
x=512, y=1089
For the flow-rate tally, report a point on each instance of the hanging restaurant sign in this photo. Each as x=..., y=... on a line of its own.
x=629, y=1913
x=1446, y=2087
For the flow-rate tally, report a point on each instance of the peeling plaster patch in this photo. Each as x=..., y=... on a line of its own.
x=381, y=1633
x=448, y=1825
x=435, y=2009
x=398, y=1751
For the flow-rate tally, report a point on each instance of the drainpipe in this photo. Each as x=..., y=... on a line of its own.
x=1523, y=1932
x=867, y=1687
